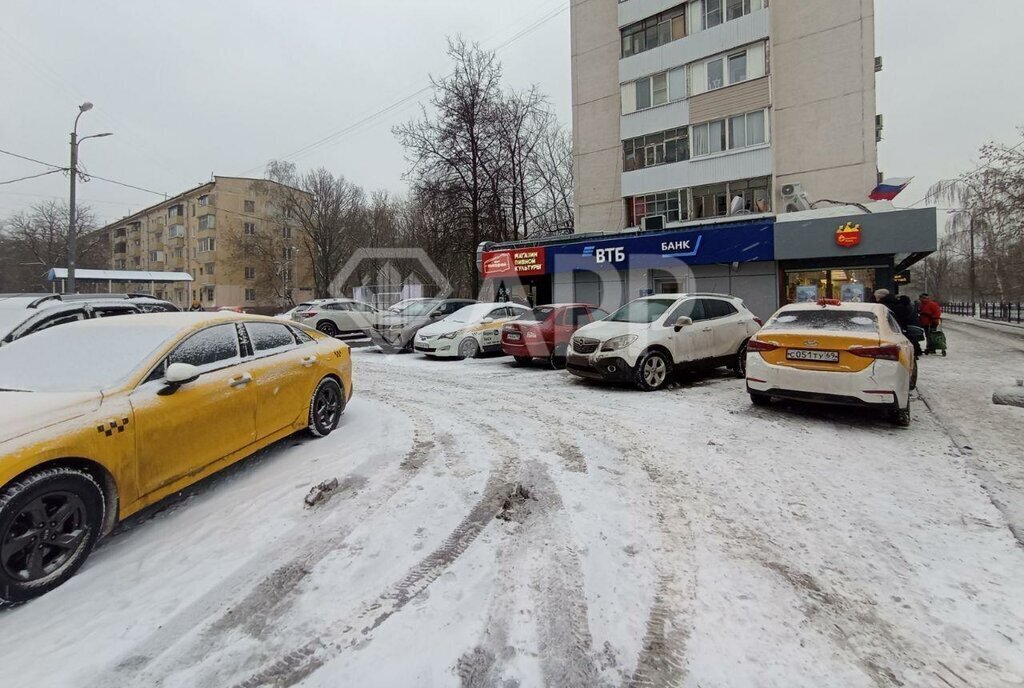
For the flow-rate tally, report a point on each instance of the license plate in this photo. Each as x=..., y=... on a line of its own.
x=812, y=355
x=513, y=336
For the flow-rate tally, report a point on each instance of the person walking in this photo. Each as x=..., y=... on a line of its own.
x=196, y=306
x=931, y=316
x=908, y=317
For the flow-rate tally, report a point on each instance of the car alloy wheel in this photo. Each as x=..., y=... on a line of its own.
x=652, y=371
x=326, y=407
x=328, y=328
x=468, y=348
x=49, y=522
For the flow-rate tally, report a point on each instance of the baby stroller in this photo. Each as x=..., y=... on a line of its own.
x=936, y=340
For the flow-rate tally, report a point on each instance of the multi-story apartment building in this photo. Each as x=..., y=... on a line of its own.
x=688, y=110
x=227, y=235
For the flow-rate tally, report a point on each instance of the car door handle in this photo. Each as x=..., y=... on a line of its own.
x=240, y=380
x=308, y=361
x=707, y=329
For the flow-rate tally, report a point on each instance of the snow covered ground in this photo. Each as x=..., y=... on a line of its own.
x=496, y=526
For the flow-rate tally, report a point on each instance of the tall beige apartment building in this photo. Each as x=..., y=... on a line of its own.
x=699, y=109
x=204, y=232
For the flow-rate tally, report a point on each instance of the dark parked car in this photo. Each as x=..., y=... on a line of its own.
x=546, y=330
x=21, y=316
x=397, y=331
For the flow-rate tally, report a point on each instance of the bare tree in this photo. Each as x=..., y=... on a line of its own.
x=33, y=241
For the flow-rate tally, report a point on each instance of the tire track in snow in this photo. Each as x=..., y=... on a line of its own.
x=267, y=593
x=299, y=663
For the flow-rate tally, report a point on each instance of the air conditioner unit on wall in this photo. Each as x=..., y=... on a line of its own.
x=794, y=198
x=652, y=222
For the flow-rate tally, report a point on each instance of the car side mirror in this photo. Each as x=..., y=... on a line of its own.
x=179, y=374
x=435, y=314
x=683, y=321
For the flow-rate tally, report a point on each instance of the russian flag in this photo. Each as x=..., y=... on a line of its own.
x=889, y=188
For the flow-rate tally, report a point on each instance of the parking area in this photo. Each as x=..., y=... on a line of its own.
x=497, y=525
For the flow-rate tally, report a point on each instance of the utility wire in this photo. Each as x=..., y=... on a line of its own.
x=38, y=162
x=965, y=175
x=32, y=176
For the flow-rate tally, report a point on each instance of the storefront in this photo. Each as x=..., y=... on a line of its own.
x=764, y=260
x=849, y=256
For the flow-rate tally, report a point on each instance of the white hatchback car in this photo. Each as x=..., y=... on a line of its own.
x=469, y=331
x=646, y=339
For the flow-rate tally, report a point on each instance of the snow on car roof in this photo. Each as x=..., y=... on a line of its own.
x=844, y=306
x=183, y=319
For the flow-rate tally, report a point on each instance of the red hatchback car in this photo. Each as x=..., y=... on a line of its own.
x=545, y=331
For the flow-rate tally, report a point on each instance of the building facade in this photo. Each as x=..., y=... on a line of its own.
x=228, y=235
x=710, y=108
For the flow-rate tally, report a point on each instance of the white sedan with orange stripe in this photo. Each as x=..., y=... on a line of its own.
x=834, y=353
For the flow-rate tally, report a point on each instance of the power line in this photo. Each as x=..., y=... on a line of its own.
x=32, y=176
x=39, y=162
x=408, y=99
x=125, y=184
x=965, y=175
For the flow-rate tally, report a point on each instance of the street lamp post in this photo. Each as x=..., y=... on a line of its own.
x=72, y=241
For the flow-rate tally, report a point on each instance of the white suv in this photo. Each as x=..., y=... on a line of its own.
x=645, y=339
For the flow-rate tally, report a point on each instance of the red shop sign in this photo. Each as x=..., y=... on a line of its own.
x=515, y=262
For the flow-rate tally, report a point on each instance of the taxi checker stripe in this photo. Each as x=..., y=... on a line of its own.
x=112, y=426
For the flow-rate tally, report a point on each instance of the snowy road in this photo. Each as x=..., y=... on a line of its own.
x=506, y=527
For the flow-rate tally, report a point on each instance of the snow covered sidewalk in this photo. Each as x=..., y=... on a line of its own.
x=497, y=526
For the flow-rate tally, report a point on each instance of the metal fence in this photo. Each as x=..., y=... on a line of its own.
x=1002, y=312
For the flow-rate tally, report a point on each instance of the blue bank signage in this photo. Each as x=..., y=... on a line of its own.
x=719, y=244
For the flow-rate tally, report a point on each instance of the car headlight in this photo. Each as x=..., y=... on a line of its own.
x=451, y=335
x=621, y=342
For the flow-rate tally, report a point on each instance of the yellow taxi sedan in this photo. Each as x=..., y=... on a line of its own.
x=834, y=353
x=101, y=418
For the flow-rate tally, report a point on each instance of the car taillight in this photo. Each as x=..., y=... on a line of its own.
x=308, y=314
x=890, y=352
x=757, y=345
x=760, y=323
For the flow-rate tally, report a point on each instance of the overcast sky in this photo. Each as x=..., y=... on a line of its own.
x=191, y=88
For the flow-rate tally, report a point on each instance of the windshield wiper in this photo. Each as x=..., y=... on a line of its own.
x=11, y=389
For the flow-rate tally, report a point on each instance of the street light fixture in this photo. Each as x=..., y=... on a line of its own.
x=72, y=242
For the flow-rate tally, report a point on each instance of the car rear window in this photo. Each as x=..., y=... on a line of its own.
x=537, y=314
x=824, y=319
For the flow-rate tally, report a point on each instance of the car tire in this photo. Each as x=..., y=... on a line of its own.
x=523, y=360
x=913, y=376
x=557, y=358
x=328, y=328
x=75, y=502
x=739, y=364
x=325, y=407
x=469, y=348
x=901, y=416
x=758, y=399
x=652, y=371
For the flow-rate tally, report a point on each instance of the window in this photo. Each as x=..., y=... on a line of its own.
x=656, y=149
x=208, y=293
x=710, y=201
x=716, y=78
x=206, y=245
x=207, y=221
x=250, y=273
x=671, y=204
x=250, y=294
x=179, y=252
x=249, y=206
x=286, y=252
x=712, y=13
x=339, y=306
x=209, y=268
x=215, y=346
x=754, y=193
x=738, y=67
x=176, y=211
x=301, y=336
x=716, y=308
x=692, y=309
x=657, y=89
x=739, y=131
x=659, y=82
x=498, y=313
x=734, y=9
x=580, y=316
x=249, y=229
x=204, y=200
x=654, y=31
x=269, y=337
x=286, y=232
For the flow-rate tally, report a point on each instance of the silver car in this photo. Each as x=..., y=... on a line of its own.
x=337, y=317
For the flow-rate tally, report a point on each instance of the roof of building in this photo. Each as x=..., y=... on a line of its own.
x=119, y=275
